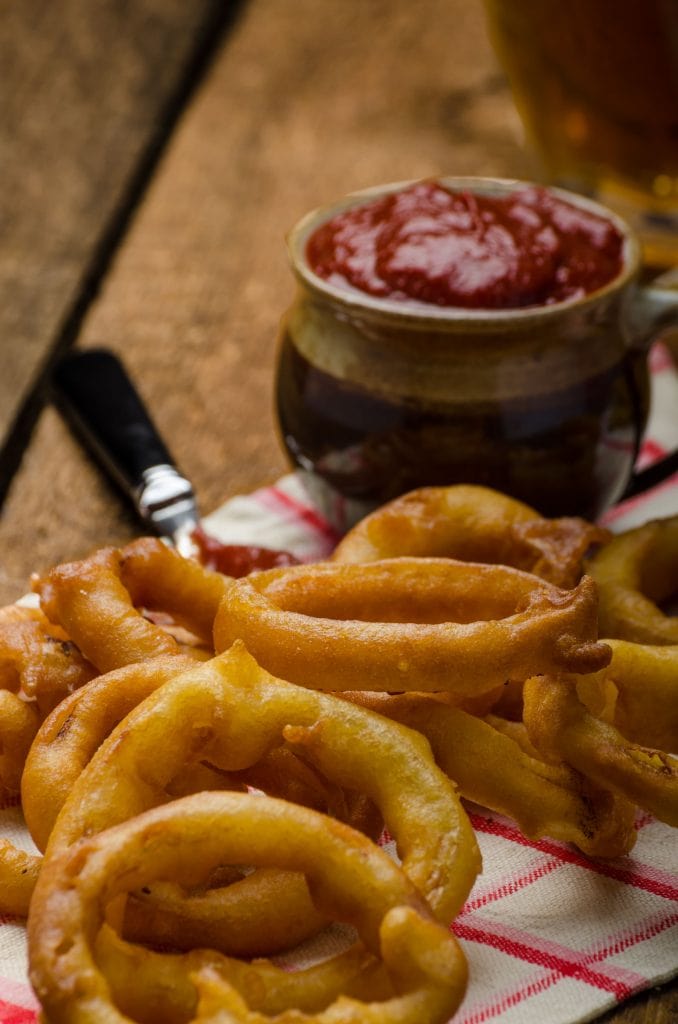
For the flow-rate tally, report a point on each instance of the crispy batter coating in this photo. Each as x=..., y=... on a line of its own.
x=165, y=914
x=158, y=988
x=98, y=601
x=636, y=572
x=562, y=728
x=430, y=624
x=38, y=667
x=230, y=713
x=474, y=524
x=350, y=878
x=19, y=723
x=448, y=612
x=69, y=737
x=37, y=660
x=491, y=769
x=637, y=692
x=18, y=875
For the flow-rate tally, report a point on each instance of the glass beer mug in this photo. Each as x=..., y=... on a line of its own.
x=596, y=85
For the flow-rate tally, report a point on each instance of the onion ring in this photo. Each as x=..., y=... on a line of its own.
x=56, y=754
x=230, y=712
x=644, y=702
x=38, y=666
x=152, y=987
x=157, y=577
x=515, y=730
x=410, y=624
x=492, y=770
x=561, y=727
x=18, y=875
x=19, y=723
x=37, y=659
x=96, y=601
x=350, y=878
x=474, y=524
x=257, y=914
x=67, y=740
x=635, y=572
x=65, y=744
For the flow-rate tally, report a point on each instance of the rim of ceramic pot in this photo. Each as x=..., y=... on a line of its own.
x=420, y=314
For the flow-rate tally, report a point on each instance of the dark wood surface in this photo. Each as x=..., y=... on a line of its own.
x=306, y=101
x=88, y=94
x=150, y=218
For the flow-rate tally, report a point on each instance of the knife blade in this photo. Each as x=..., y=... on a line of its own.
x=96, y=396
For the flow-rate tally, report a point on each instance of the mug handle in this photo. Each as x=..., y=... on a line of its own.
x=654, y=311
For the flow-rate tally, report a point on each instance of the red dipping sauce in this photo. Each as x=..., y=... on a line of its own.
x=237, y=559
x=428, y=244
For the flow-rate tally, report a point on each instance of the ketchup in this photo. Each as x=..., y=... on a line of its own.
x=431, y=245
x=238, y=559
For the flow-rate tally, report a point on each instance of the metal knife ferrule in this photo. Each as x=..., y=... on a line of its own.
x=166, y=501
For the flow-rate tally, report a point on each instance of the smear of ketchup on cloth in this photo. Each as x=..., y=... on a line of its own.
x=237, y=559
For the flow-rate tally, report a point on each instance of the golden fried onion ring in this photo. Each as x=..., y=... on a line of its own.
x=474, y=524
x=410, y=624
x=255, y=914
x=38, y=667
x=96, y=600
x=37, y=659
x=561, y=727
x=492, y=770
x=67, y=740
x=57, y=753
x=635, y=573
x=155, y=987
x=350, y=878
x=19, y=723
x=644, y=698
x=18, y=875
x=63, y=747
x=230, y=713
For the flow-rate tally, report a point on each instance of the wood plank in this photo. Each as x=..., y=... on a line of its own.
x=658, y=1006
x=89, y=91
x=306, y=102
x=358, y=93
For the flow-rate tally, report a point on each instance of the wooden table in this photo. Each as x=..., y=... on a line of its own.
x=154, y=153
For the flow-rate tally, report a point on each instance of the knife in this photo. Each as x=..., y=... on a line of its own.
x=94, y=392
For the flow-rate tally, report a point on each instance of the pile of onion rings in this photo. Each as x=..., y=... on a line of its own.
x=452, y=647
x=350, y=878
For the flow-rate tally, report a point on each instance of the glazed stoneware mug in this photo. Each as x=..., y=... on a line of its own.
x=380, y=393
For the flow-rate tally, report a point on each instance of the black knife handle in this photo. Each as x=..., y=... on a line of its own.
x=97, y=397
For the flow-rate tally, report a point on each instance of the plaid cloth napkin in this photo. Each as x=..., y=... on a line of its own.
x=549, y=935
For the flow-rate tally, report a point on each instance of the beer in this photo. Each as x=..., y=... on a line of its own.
x=596, y=85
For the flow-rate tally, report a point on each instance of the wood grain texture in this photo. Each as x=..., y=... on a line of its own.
x=307, y=102
x=86, y=90
x=658, y=1006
